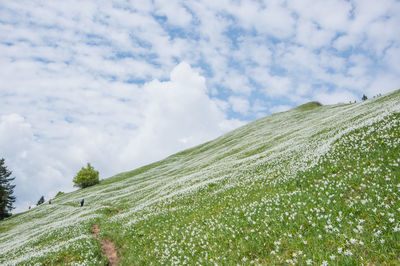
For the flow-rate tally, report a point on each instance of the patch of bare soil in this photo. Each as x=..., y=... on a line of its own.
x=95, y=230
x=107, y=246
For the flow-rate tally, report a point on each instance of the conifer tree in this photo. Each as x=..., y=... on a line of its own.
x=6, y=191
x=40, y=201
x=364, y=97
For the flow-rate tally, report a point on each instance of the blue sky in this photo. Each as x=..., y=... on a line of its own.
x=124, y=83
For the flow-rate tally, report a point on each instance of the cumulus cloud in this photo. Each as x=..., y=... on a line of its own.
x=327, y=14
x=310, y=35
x=336, y=97
x=27, y=159
x=16, y=135
x=175, y=12
x=280, y=108
x=177, y=114
x=239, y=105
x=270, y=18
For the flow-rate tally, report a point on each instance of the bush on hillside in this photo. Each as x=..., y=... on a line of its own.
x=86, y=177
x=40, y=201
x=364, y=97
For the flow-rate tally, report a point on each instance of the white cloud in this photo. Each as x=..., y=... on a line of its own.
x=309, y=35
x=373, y=27
x=329, y=14
x=253, y=50
x=273, y=85
x=392, y=61
x=175, y=12
x=237, y=82
x=239, y=105
x=346, y=41
x=15, y=135
x=280, y=108
x=360, y=65
x=384, y=83
x=177, y=114
x=272, y=19
x=278, y=86
x=26, y=159
x=336, y=97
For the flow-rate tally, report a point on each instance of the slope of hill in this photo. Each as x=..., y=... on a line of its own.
x=316, y=184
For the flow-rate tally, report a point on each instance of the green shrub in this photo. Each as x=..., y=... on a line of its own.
x=40, y=201
x=86, y=177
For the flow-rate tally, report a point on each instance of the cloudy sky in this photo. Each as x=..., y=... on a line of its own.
x=124, y=83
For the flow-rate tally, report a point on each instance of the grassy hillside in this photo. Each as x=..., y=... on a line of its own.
x=313, y=185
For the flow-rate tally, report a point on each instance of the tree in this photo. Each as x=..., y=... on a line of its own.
x=6, y=191
x=364, y=97
x=40, y=201
x=86, y=177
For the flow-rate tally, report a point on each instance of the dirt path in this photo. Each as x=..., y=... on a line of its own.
x=107, y=246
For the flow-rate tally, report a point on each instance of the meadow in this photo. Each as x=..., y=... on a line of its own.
x=316, y=185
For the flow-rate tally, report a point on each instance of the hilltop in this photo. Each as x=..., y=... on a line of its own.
x=315, y=184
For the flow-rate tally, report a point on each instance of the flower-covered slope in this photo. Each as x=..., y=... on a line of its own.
x=313, y=185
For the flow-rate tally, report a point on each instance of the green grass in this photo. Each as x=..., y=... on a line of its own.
x=316, y=184
x=309, y=106
x=243, y=224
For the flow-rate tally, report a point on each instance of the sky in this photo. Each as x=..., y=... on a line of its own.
x=121, y=84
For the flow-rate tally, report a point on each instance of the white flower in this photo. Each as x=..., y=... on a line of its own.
x=309, y=262
x=324, y=263
x=348, y=252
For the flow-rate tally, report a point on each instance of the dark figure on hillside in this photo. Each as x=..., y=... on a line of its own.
x=82, y=202
x=364, y=97
x=49, y=201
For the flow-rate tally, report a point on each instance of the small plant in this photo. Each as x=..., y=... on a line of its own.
x=86, y=177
